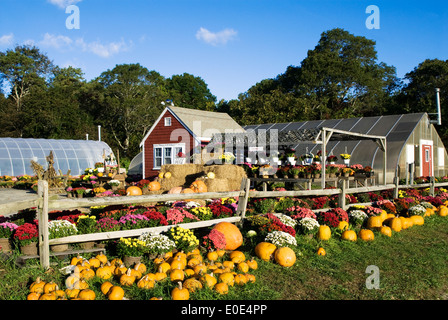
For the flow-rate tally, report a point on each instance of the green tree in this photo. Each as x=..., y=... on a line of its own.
x=418, y=93
x=22, y=70
x=128, y=102
x=341, y=77
x=188, y=91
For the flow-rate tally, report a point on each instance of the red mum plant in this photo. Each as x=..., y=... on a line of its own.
x=277, y=224
x=157, y=217
x=215, y=240
x=26, y=234
x=329, y=218
x=220, y=210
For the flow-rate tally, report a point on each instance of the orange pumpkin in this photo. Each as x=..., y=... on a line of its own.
x=234, y=238
x=133, y=191
x=366, y=234
x=154, y=186
x=175, y=190
x=265, y=250
x=387, y=231
x=198, y=186
x=374, y=222
x=187, y=190
x=285, y=256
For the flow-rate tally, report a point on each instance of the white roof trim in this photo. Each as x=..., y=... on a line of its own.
x=162, y=115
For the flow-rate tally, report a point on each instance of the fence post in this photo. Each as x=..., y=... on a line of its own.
x=397, y=183
x=432, y=180
x=342, y=195
x=44, y=249
x=242, y=202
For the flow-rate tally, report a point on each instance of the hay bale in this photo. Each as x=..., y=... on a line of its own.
x=182, y=175
x=217, y=185
x=232, y=173
x=167, y=184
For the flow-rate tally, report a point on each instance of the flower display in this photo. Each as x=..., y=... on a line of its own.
x=329, y=218
x=86, y=224
x=308, y=225
x=133, y=221
x=114, y=183
x=107, y=224
x=417, y=210
x=286, y=220
x=203, y=213
x=184, y=239
x=280, y=239
x=131, y=247
x=179, y=215
x=155, y=219
x=357, y=217
x=7, y=229
x=345, y=156
x=157, y=243
x=214, y=240
x=61, y=228
x=297, y=212
x=26, y=233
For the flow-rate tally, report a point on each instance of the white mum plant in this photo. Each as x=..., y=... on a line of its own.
x=280, y=238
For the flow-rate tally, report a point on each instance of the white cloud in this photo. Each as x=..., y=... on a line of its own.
x=103, y=50
x=54, y=41
x=63, y=3
x=6, y=39
x=216, y=38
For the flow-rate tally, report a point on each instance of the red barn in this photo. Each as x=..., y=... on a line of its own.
x=180, y=131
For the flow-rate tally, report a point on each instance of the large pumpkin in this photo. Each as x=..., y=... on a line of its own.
x=265, y=250
x=154, y=186
x=232, y=233
x=198, y=186
x=285, y=256
x=187, y=190
x=175, y=190
x=134, y=191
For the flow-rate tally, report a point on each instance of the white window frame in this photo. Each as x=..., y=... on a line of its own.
x=174, y=147
x=167, y=121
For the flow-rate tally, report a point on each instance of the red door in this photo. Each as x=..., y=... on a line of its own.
x=426, y=160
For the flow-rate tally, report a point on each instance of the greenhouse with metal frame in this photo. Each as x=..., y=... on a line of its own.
x=74, y=155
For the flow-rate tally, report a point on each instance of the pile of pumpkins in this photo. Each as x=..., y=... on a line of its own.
x=196, y=186
x=385, y=223
x=219, y=270
x=283, y=256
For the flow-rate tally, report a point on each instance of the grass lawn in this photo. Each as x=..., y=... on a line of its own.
x=413, y=264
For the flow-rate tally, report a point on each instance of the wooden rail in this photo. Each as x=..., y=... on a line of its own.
x=44, y=203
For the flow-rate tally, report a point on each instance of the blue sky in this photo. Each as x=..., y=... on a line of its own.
x=231, y=44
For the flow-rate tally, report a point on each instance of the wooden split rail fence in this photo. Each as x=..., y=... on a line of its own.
x=45, y=203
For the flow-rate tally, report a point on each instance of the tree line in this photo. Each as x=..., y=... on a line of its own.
x=340, y=78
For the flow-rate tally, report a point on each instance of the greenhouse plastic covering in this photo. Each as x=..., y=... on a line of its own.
x=77, y=155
